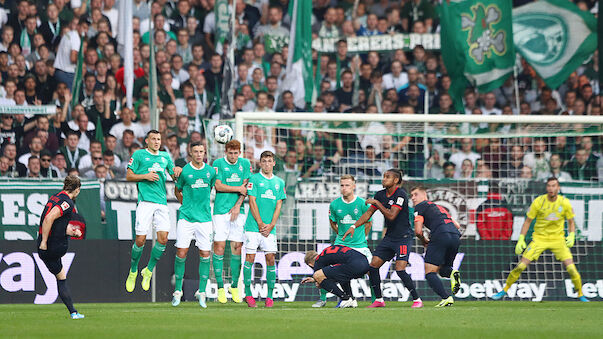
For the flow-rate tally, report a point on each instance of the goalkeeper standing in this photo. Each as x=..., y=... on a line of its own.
x=550, y=211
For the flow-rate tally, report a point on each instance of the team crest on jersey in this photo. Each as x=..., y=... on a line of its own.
x=190, y=175
x=64, y=205
x=339, y=211
x=208, y=175
x=240, y=168
x=227, y=169
x=261, y=184
x=276, y=186
x=147, y=159
x=560, y=209
x=391, y=202
x=400, y=201
x=355, y=211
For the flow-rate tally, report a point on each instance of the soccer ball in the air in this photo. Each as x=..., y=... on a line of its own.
x=223, y=134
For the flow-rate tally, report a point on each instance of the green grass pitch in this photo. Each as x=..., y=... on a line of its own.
x=476, y=319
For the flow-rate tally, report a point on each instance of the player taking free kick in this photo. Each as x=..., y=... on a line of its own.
x=550, y=211
x=193, y=190
x=232, y=175
x=266, y=194
x=147, y=168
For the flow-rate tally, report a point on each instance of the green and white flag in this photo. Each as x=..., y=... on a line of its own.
x=222, y=24
x=477, y=43
x=153, y=96
x=299, y=79
x=76, y=86
x=555, y=37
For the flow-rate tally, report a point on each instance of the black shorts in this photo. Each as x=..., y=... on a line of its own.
x=52, y=257
x=390, y=248
x=347, y=272
x=442, y=249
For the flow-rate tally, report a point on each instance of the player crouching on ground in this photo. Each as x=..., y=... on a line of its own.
x=442, y=246
x=336, y=264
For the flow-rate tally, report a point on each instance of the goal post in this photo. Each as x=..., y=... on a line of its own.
x=500, y=163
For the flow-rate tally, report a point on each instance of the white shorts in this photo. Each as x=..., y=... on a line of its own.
x=365, y=251
x=200, y=231
x=224, y=229
x=254, y=241
x=149, y=215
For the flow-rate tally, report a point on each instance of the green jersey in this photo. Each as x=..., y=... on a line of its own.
x=345, y=214
x=267, y=193
x=195, y=184
x=143, y=162
x=231, y=175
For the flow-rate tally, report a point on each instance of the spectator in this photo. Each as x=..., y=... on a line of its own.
x=114, y=171
x=66, y=59
x=35, y=147
x=580, y=168
x=86, y=164
x=59, y=164
x=328, y=28
x=15, y=168
x=71, y=150
x=417, y=10
x=449, y=170
x=127, y=116
x=555, y=165
x=318, y=165
x=512, y=168
x=345, y=93
x=465, y=152
x=526, y=172
x=122, y=149
x=33, y=167
x=538, y=159
x=434, y=167
x=466, y=171
x=273, y=34
x=483, y=172
x=493, y=156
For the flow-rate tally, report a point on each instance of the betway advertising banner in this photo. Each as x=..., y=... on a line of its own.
x=22, y=203
x=97, y=270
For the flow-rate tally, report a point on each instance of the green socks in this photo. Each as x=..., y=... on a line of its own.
x=203, y=273
x=271, y=279
x=155, y=255
x=247, y=277
x=323, y=295
x=235, y=269
x=218, y=265
x=179, y=272
x=136, y=253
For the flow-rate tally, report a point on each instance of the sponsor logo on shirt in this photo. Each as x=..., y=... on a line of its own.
x=199, y=183
x=348, y=220
x=131, y=161
x=551, y=217
x=400, y=201
x=216, y=169
x=65, y=205
x=234, y=178
x=250, y=186
x=268, y=195
x=156, y=168
x=391, y=202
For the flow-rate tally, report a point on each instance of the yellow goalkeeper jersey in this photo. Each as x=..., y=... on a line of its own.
x=550, y=217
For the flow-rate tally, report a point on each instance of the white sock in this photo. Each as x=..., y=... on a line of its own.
x=380, y=300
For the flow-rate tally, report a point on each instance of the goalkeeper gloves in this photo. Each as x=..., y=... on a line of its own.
x=521, y=244
x=570, y=239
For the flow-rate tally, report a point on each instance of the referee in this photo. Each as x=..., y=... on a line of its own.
x=53, y=238
x=550, y=211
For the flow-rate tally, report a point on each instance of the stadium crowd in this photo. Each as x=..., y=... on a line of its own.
x=95, y=136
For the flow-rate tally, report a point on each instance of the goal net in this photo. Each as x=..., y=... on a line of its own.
x=485, y=170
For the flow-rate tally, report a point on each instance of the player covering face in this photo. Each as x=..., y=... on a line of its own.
x=392, y=202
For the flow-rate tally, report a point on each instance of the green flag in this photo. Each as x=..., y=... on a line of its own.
x=299, y=60
x=76, y=87
x=153, y=84
x=555, y=37
x=477, y=43
x=222, y=26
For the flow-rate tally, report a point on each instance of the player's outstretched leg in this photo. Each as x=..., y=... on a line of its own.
x=133, y=273
x=147, y=272
x=179, y=265
x=576, y=280
x=410, y=286
x=375, y=281
x=436, y=285
x=65, y=295
x=203, y=277
x=511, y=279
x=235, y=269
x=218, y=264
x=322, y=302
x=247, y=280
x=271, y=281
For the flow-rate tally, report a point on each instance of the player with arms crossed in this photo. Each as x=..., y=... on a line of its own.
x=193, y=190
x=343, y=213
x=442, y=245
x=54, y=233
x=266, y=194
x=550, y=211
x=392, y=202
x=233, y=173
x=336, y=264
x=147, y=168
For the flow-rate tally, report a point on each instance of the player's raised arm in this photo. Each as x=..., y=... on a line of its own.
x=53, y=215
x=366, y=216
x=389, y=213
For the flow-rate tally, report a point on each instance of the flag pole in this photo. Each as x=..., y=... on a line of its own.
x=516, y=85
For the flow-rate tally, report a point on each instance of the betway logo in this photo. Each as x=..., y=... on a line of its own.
x=21, y=275
x=534, y=292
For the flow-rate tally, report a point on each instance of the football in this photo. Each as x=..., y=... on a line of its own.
x=223, y=134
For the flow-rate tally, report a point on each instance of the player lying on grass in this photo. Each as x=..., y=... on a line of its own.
x=193, y=190
x=266, y=194
x=54, y=233
x=392, y=202
x=442, y=245
x=343, y=213
x=147, y=168
x=336, y=264
x=232, y=175
x=550, y=211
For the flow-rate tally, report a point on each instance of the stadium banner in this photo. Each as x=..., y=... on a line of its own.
x=475, y=204
x=25, y=279
x=29, y=110
x=22, y=203
x=379, y=43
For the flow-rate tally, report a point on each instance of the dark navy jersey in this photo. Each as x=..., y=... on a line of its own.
x=57, y=235
x=435, y=217
x=400, y=226
x=337, y=255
